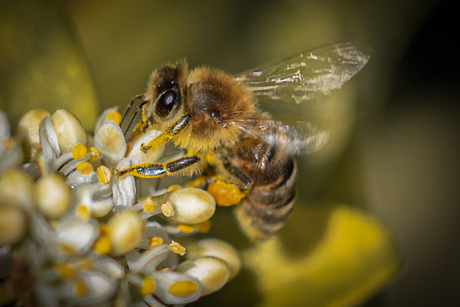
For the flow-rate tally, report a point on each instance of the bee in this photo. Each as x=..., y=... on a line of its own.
x=216, y=119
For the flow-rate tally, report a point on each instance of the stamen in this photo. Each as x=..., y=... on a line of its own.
x=103, y=174
x=79, y=151
x=83, y=212
x=148, y=205
x=204, y=227
x=88, y=170
x=167, y=209
x=182, y=288
x=186, y=228
x=80, y=289
x=103, y=245
x=65, y=270
x=95, y=153
x=177, y=248
x=154, y=241
x=114, y=116
x=82, y=166
x=148, y=286
x=173, y=187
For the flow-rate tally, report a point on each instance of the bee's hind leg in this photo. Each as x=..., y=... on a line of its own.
x=157, y=170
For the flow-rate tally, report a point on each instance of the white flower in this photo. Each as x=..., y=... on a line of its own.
x=171, y=287
x=10, y=154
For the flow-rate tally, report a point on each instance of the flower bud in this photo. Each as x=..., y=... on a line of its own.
x=108, y=114
x=110, y=140
x=191, y=206
x=68, y=129
x=13, y=224
x=16, y=187
x=28, y=130
x=216, y=248
x=137, y=156
x=211, y=272
x=126, y=231
x=52, y=196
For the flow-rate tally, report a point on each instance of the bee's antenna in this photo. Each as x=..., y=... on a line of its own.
x=138, y=109
x=130, y=105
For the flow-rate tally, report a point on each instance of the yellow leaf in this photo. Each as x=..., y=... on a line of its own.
x=349, y=258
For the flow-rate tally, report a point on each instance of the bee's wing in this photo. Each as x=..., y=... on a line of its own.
x=309, y=75
x=294, y=139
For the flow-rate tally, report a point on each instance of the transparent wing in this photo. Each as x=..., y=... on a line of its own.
x=297, y=138
x=309, y=75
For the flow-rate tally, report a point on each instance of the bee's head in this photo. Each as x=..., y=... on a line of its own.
x=166, y=95
x=211, y=98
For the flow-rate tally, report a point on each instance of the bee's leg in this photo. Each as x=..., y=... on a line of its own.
x=235, y=172
x=156, y=170
x=227, y=189
x=168, y=134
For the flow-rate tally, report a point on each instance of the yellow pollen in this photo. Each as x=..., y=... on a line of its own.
x=67, y=249
x=95, y=153
x=225, y=194
x=167, y=209
x=204, y=227
x=185, y=228
x=103, y=174
x=148, y=286
x=103, y=245
x=173, y=187
x=86, y=264
x=82, y=166
x=104, y=229
x=65, y=270
x=182, y=288
x=79, y=151
x=200, y=180
x=80, y=289
x=177, y=248
x=154, y=241
x=148, y=205
x=114, y=116
x=87, y=171
x=83, y=212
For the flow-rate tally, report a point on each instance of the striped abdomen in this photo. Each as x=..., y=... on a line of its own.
x=271, y=175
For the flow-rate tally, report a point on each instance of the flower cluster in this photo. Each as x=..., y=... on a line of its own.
x=73, y=234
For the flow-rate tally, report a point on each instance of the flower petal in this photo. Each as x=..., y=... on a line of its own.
x=77, y=234
x=48, y=141
x=191, y=206
x=149, y=260
x=213, y=273
x=102, y=119
x=137, y=156
x=110, y=267
x=124, y=188
x=216, y=248
x=176, y=288
x=110, y=140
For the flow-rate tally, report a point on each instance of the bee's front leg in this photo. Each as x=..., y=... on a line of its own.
x=156, y=170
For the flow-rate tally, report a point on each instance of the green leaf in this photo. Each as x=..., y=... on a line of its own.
x=41, y=64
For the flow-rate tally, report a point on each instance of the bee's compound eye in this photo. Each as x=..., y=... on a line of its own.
x=166, y=103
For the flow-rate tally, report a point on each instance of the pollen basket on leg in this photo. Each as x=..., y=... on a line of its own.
x=146, y=170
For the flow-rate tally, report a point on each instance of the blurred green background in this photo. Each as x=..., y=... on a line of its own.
x=394, y=145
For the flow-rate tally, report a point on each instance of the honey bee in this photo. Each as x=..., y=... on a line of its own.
x=216, y=119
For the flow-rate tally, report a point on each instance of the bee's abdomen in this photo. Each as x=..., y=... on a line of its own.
x=268, y=206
